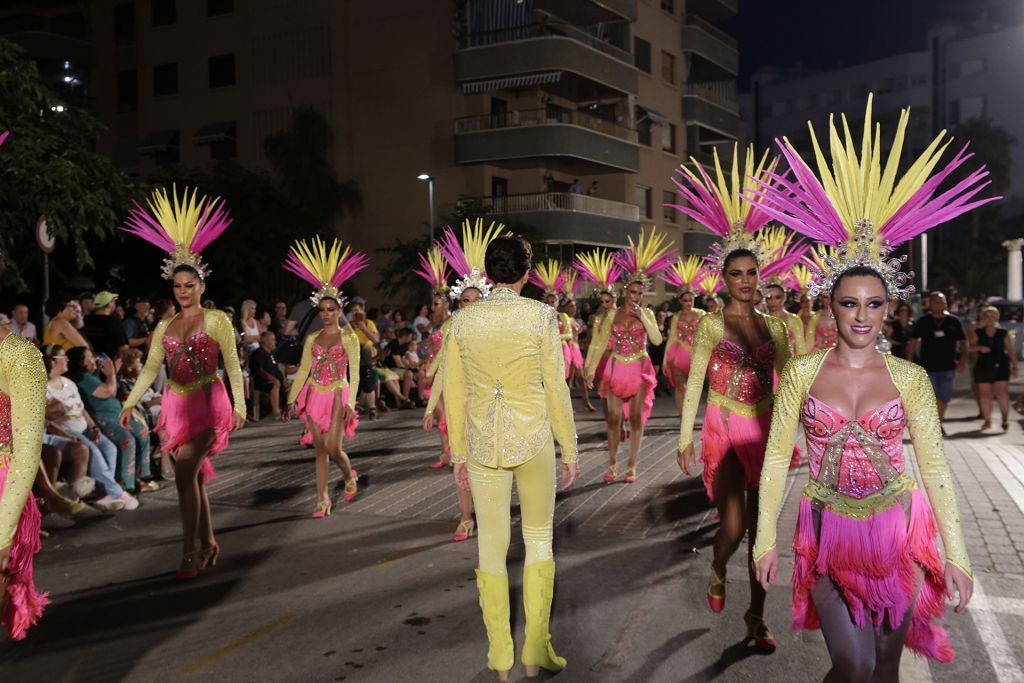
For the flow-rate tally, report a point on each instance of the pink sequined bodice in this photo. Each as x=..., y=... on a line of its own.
x=854, y=457
x=329, y=365
x=685, y=330
x=434, y=342
x=5, y=420
x=629, y=342
x=825, y=337
x=191, y=360
x=737, y=374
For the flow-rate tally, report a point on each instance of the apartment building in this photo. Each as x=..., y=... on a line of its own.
x=504, y=104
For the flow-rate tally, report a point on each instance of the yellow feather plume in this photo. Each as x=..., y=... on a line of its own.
x=475, y=240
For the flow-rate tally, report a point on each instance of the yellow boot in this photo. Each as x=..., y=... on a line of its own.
x=494, y=603
x=538, y=590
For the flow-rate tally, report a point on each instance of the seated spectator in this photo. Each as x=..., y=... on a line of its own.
x=70, y=458
x=66, y=416
x=266, y=374
x=385, y=321
x=249, y=326
x=130, y=368
x=100, y=396
x=61, y=329
x=279, y=321
x=395, y=361
x=87, y=301
x=103, y=329
x=20, y=324
x=138, y=325
x=421, y=323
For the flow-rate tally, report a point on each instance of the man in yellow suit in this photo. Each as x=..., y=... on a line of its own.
x=505, y=395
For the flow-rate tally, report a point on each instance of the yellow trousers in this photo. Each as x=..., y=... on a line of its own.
x=492, y=499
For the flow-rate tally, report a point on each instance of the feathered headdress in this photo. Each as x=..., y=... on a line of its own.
x=860, y=207
x=467, y=258
x=710, y=284
x=717, y=205
x=570, y=283
x=434, y=269
x=646, y=257
x=683, y=273
x=784, y=254
x=548, y=276
x=326, y=269
x=799, y=278
x=182, y=228
x=3, y=136
x=598, y=267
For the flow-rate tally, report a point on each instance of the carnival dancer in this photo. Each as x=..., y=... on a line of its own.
x=326, y=384
x=821, y=328
x=774, y=278
x=571, y=339
x=867, y=569
x=799, y=280
x=629, y=379
x=744, y=349
x=471, y=285
x=549, y=276
x=196, y=415
x=682, y=275
x=598, y=267
x=709, y=286
x=505, y=394
x=22, y=404
x=434, y=269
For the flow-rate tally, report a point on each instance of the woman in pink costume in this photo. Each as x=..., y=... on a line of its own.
x=197, y=414
x=629, y=379
x=821, y=328
x=598, y=267
x=567, y=321
x=682, y=275
x=324, y=391
x=867, y=569
x=434, y=269
x=739, y=350
x=467, y=260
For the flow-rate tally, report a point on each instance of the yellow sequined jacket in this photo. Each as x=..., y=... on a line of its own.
x=602, y=328
x=350, y=342
x=925, y=431
x=218, y=327
x=23, y=379
x=504, y=382
x=710, y=331
x=797, y=333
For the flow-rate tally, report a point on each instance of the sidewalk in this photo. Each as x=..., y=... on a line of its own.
x=377, y=592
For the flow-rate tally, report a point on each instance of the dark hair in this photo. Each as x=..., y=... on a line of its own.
x=738, y=253
x=76, y=358
x=508, y=259
x=185, y=268
x=160, y=307
x=777, y=286
x=858, y=271
x=49, y=351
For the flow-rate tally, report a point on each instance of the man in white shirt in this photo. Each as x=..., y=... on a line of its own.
x=20, y=324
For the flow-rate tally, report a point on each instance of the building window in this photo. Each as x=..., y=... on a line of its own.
x=127, y=91
x=668, y=137
x=124, y=25
x=668, y=68
x=222, y=70
x=499, y=186
x=217, y=7
x=642, y=54
x=226, y=148
x=669, y=6
x=642, y=198
x=670, y=215
x=165, y=79
x=164, y=12
x=643, y=126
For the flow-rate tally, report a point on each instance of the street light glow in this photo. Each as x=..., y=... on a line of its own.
x=424, y=176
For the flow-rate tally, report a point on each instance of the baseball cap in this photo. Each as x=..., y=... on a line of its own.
x=357, y=300
x=104, y=298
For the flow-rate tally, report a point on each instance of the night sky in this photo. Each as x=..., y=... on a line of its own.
x=821, y=34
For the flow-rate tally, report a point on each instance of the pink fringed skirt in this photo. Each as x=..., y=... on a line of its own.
x=677, y=359
x=746, y=436
x=875, y=564
x=184, y=418
x=23, y=604
x=317, y=408
x=573, y=357
x=626, y=380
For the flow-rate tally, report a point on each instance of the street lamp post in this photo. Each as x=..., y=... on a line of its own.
x=430, y=199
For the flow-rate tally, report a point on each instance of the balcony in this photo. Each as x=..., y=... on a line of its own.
x=720, y=93
x=546, y=47
x=699, y=110
x=566, y=217
x=589, y=11
x=540, y=133
x=713, y=10
x=712, y=44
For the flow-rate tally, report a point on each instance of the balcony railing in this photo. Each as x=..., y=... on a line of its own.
x=543, y=30
x=557, y=201
x=722, y=93
x=539, y=117
x=708, y=27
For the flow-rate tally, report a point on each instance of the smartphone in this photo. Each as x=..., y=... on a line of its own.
x=102, y=356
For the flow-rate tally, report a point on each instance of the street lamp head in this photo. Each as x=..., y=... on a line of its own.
x=424, y=176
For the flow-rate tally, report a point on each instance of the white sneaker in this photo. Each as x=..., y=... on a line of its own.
x=130, y=501
x=51, y=521
x=65, y=490
x=84, y=487
x=109, y=504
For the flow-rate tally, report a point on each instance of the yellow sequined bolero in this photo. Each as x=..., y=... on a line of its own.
x=23, y=379
x=797, y=333
x=350, y=341
x=504, y=382
x=673, y=329
x=710, y=331
x=217, y=326
x=918, y=398
x=599, y=335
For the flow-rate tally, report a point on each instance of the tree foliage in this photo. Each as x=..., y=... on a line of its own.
x=48, y=167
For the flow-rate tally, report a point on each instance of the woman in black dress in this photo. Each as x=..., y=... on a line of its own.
x=897, y=330
x=996, y=362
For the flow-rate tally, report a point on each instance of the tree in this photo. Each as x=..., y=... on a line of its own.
x=48, y=166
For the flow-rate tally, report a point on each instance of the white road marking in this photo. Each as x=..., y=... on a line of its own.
x=984, y=614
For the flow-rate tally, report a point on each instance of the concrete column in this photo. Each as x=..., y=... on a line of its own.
x=1014, y=272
